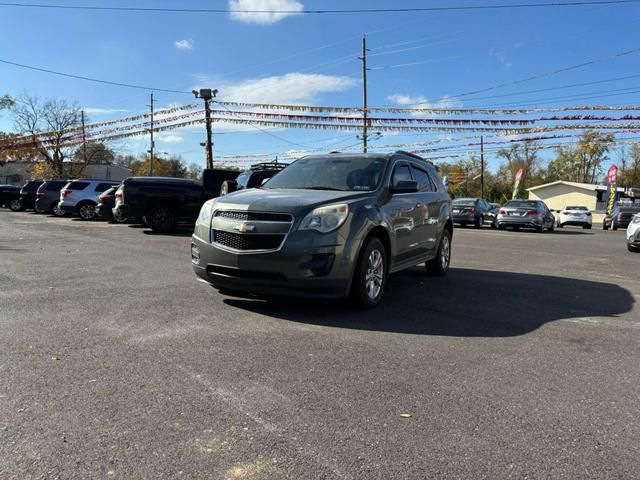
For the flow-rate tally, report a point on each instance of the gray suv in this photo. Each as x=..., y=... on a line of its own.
x=327, y=226
x=81, y=196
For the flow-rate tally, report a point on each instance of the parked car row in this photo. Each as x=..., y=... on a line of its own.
x=325, y=226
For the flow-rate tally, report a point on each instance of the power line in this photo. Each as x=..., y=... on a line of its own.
x=320, y=12
x=89, y=79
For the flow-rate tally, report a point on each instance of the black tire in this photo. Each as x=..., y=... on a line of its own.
x=604, y=226
x=15, y=205
x=501, y=227
x=439, y=266
x=631, y=248
x=162, y=219
x=614, y=226
x=368, y=281
x=540, y=229
x=119, y=218
x=560, y=225
x=478, y=222
x=87, y=210
x=227, y=187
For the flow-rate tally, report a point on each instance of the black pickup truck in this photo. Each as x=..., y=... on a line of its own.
x=163, y=202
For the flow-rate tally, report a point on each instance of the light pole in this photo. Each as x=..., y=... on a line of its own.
x=207, y=95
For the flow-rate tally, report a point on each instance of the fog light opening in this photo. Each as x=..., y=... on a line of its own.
x=195, y=253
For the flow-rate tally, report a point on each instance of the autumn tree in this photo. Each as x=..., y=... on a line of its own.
x=33, y=117
x=194, y=171
x=581, y=163
x=91, y=153
x=162, y=167
x=630, y=166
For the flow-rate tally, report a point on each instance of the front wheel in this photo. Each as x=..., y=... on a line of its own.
x=119, y=218
x=631, y=248
x=439, y=266
x=478, y=223
x=614, y=227
x=370, y=275
x=15, y=205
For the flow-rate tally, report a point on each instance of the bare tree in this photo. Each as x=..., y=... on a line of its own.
x=33, y=117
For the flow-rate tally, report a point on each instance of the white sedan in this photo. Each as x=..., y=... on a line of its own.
x=575, y=215
x=633, y=234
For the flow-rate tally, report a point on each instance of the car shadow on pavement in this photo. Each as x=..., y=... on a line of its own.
x=180, y=232
x=466, y=303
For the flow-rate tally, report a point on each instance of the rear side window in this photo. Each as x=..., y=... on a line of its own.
x=101, y=187
x=31, y=186
x=423, y=179
x=55, y=186
x=77, y=185
x=401, y=173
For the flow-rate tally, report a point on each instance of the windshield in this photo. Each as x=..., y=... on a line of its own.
x=521, y=204
x=359, y=174
x=630, y=209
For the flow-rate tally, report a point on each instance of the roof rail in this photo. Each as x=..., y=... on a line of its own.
x=257, y=167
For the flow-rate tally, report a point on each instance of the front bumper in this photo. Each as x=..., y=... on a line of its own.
x=301, y=268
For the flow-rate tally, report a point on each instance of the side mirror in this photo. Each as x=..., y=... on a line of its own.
x=404, y=186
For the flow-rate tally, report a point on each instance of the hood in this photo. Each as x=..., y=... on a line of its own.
x=294, y=202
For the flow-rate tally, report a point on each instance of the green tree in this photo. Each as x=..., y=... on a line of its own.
x=583, y=162
x=6, y=102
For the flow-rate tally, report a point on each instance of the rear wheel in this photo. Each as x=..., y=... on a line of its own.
x=500, y=226
x=87, y=211
x=439, y=266
x=605, y=226
x=370, y=276
x=15, y=205
x=57, y=211
x=119, y=218
x=478, y=223
x=631, y=248
x=552, y=227
x=162, y=219
x=614, y=226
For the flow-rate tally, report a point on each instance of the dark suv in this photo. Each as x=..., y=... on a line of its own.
x=252, y=178
x=27, y=196
x=327, y=226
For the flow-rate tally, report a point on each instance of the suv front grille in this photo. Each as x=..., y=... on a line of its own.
x=255, y=216
x=243, y=242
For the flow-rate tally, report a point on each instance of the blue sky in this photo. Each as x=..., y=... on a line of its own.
x=312, y=59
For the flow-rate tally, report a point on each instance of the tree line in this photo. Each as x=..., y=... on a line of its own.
x=583, y=162
x=33, y=116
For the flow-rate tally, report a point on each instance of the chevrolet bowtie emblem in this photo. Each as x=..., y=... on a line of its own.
x=244, y=228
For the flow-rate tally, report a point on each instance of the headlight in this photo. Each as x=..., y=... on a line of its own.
x=636, y=219
x=205, y=213
x=325, y=219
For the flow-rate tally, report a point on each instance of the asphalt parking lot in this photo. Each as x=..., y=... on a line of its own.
x=116, y=363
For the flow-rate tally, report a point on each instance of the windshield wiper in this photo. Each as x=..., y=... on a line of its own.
x=322, y=187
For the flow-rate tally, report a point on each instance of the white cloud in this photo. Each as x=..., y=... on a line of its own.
x=288, y=88
x=184, y=44
x=263, y=12
x=422, y=102
x=170, y=138
x=104, y=111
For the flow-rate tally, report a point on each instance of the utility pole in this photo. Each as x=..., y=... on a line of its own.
x=365, y=113
x=152, y=144
x=84, y=138
x=482, y=166
x=207, y=95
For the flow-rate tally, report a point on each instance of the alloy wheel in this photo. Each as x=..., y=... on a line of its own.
x=375, y=274
x=445, y=252
x=87, y=212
